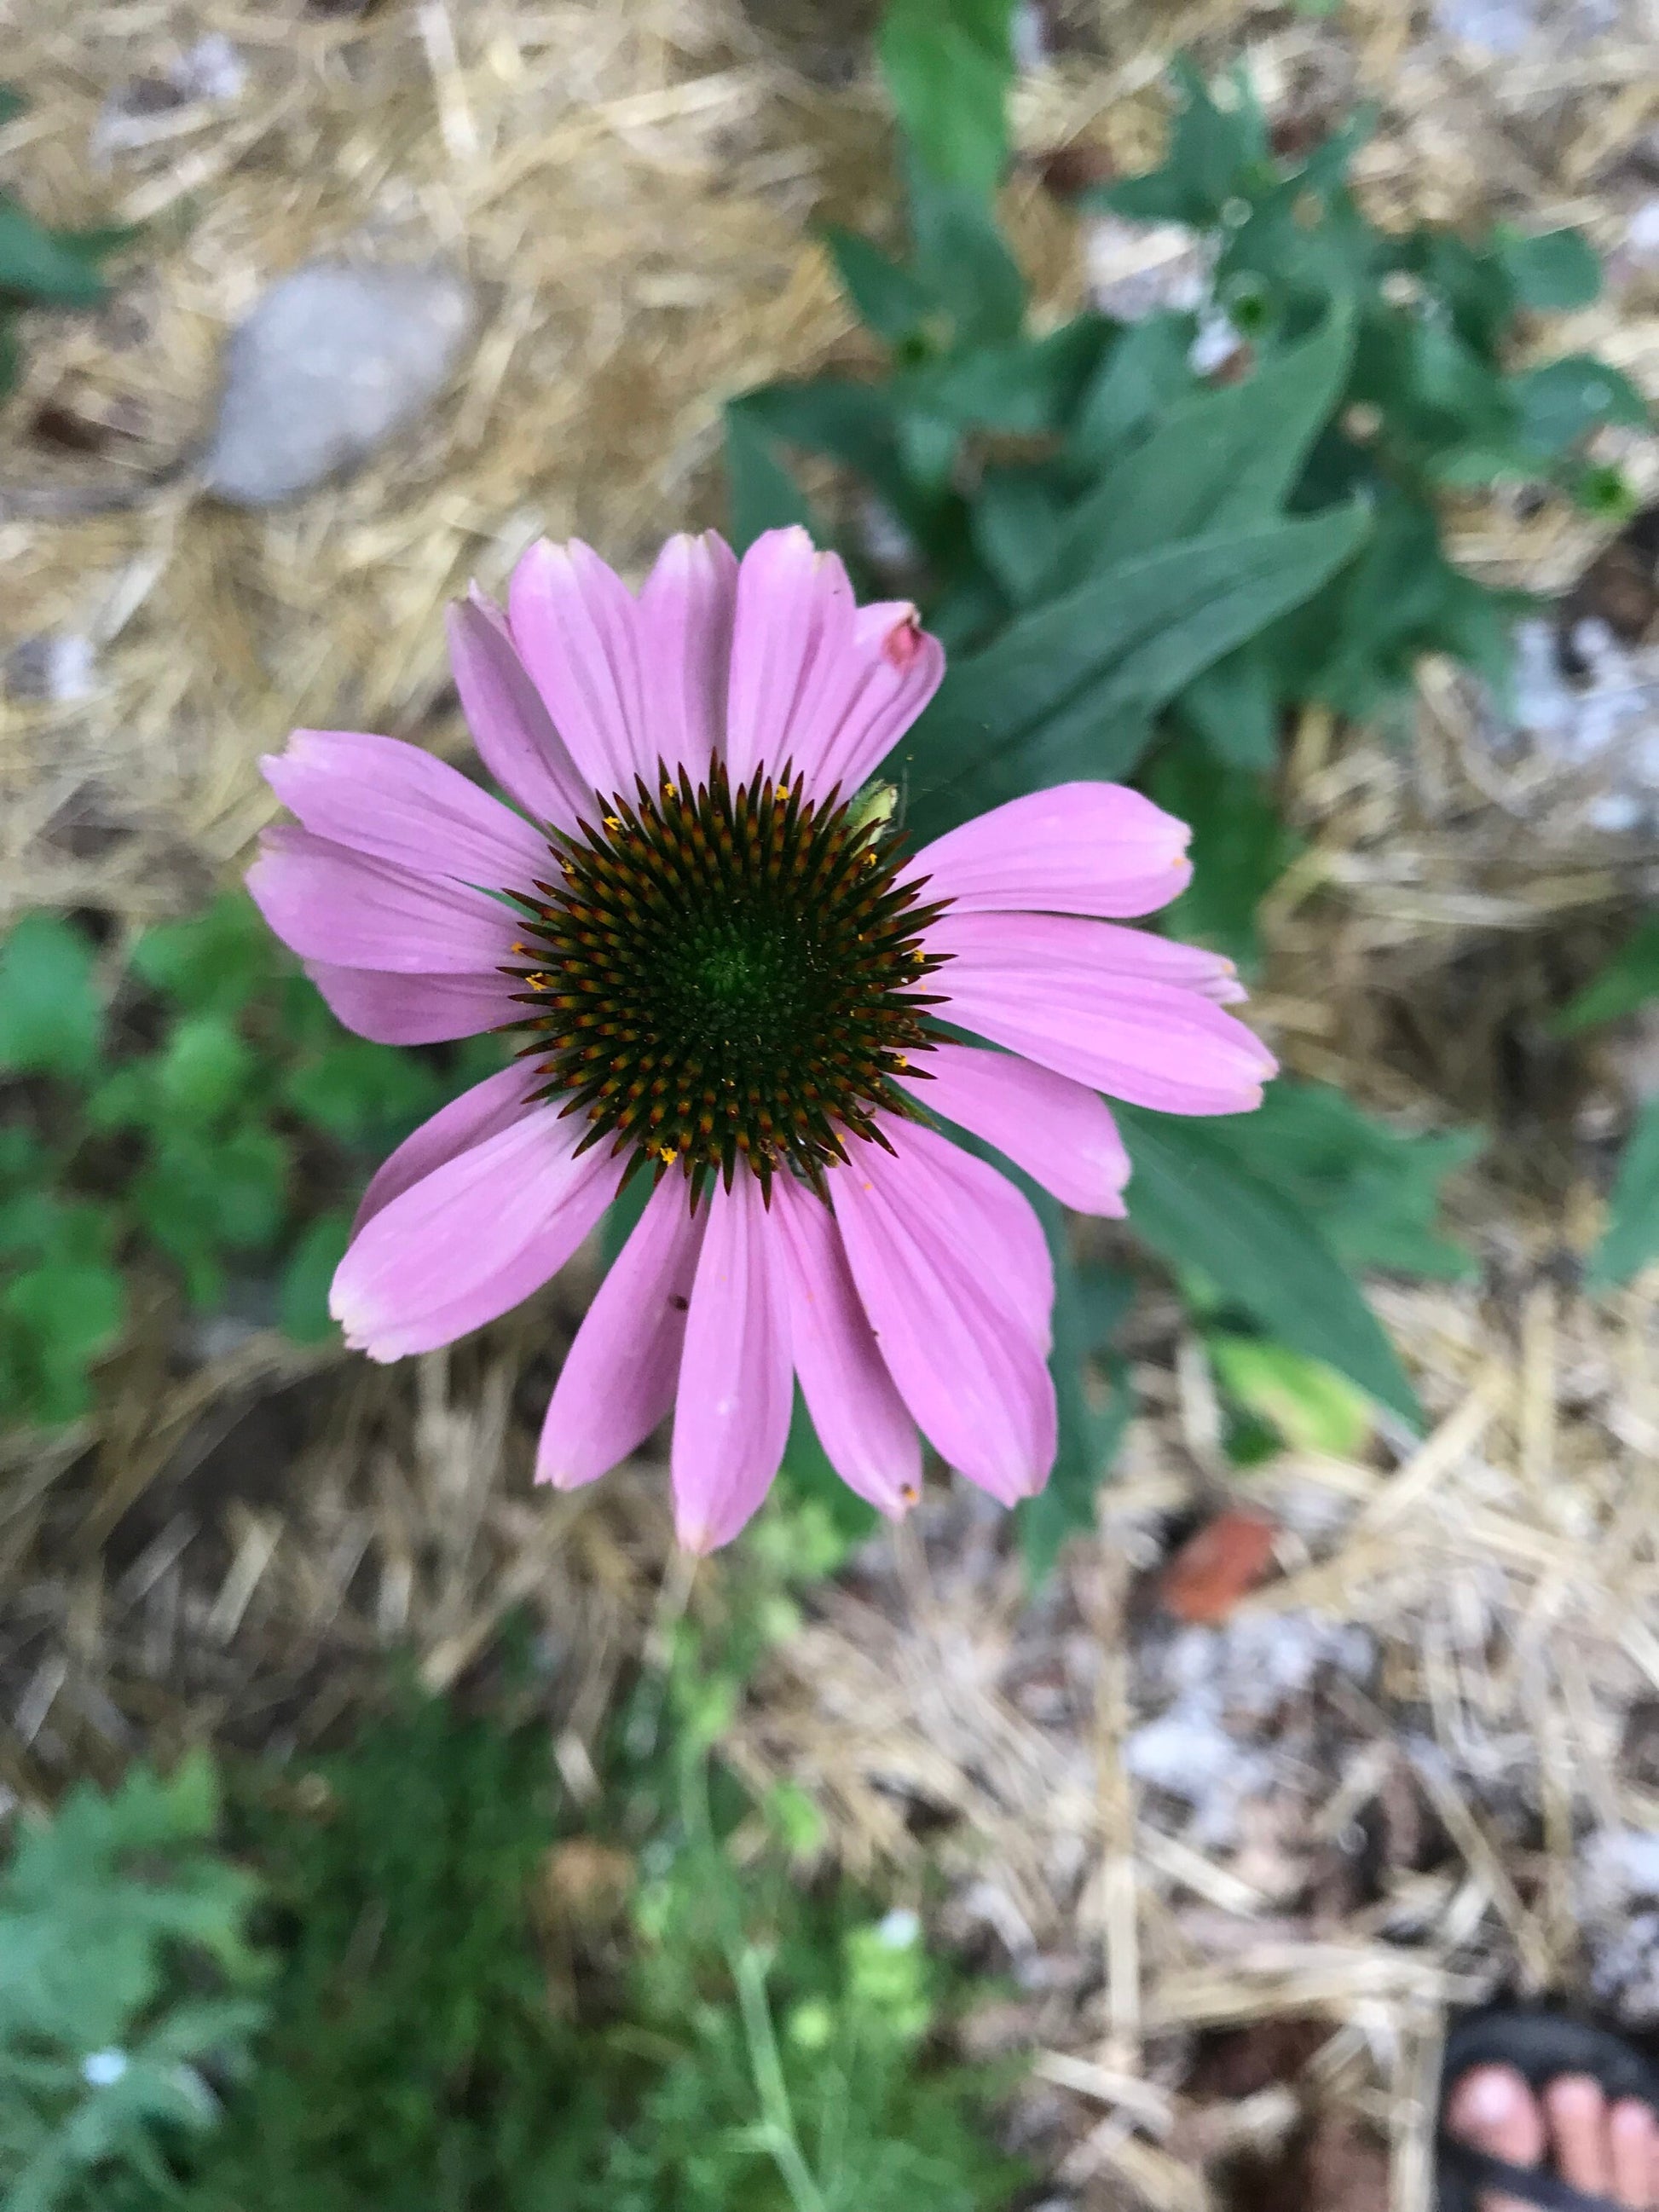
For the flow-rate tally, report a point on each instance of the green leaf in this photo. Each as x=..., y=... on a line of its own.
x=948, y=65
x=204, y=1068
x=1195, y=1204
x=200, y=1197
x=51, y=1019
x=1564, y=400
x=363, y=1093
x=890, y=300
x=214, y=962
x=12, y=103
x=1146, y=370
x=1016, y=518
x=57, y=1319
x=1374, y=1192
x=302, y=1302
x=1234, y=706
x=1557, y=271
x=1215, y=153
x=1629, y=979
x=1220, y=460
x=1631, y=1238
x=963, y=259
x=1355, y=642
x=1027, y=386
x=621, y=1216
x=1066, y=690
x=45, y=267
x=1312, y=1406
x=1088, y=1302
x=762, y=494
x=1240, y=848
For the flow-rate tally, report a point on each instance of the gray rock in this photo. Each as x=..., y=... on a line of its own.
x=331, y=361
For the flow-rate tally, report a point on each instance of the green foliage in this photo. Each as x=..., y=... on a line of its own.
x=1140, y=571
x=211, y=1117
x=51, y=1017
x=1200, y=1205
x=1241, y=845
x=1375, y=1193
x=948, y=65
x=129, y=1986
x=41, y=267
x=483, y=2002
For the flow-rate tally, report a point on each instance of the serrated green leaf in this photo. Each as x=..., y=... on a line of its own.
x=1198, y=1206
x=1066, y=690
x=890, y=299
x=1221, y=459
x=948, y=65
x=51, y=1016
x=302, y=1301
x=1628, y=981
x=1631, y=1238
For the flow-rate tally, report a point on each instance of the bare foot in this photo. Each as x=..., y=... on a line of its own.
x=1606, y=2150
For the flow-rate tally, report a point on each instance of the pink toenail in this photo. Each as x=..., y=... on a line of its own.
x=1488, y=2099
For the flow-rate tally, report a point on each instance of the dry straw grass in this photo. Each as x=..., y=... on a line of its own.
x=231, y=1547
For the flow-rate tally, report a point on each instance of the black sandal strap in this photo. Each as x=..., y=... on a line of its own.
x=1541, y=2044
x=1535, y=2185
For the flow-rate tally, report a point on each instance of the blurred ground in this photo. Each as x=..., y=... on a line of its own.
x=1235, y=1872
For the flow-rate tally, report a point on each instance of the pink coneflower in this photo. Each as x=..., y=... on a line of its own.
x=721, y=970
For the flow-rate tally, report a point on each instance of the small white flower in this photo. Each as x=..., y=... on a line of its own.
x=102, y=2070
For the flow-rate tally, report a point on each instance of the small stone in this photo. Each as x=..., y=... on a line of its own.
x=331, y=361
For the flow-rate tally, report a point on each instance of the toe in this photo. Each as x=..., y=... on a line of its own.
x=1492, y=2109
x=1632, y=2149
x=1577, y=2114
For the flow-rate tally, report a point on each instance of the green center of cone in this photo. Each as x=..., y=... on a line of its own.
x=723, y=976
